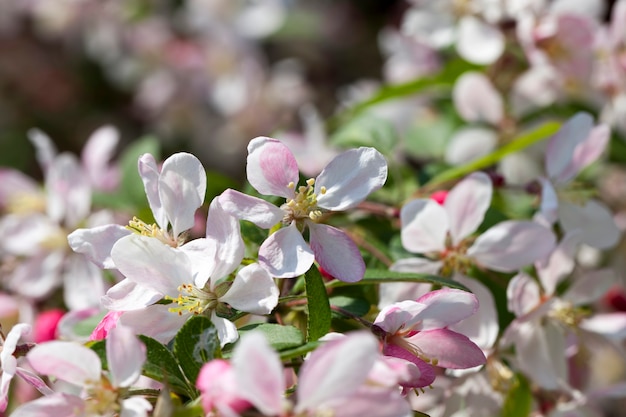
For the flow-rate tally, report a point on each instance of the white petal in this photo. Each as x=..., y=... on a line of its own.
x=128, y=295
x=55, y=405
x=466, y=205
x=336, y=252
x=561, y=146
x=69, y=192
x=523, y=294
x=96, y=243
x=224, y=229
x=252, y=291
x=468, y=144
x=149, y=173
x=285, y=254
x=594, y=220
x=83, y=283
x=476, y=99
x=590, y=287
x=350, y=177
x=419, y=265
x=182, y=186
x=45, y=150
x=70, y=362
x=560, y=263
x=253, y=209
x=226, y=330
x=424, y=226
x=479, y=42
x=155, y=321
x=96, y=155
x=126, y=355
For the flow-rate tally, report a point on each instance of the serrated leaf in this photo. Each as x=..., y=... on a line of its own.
x=161, y=364
x=318, y=307
x=519, y=400
x=195, y=344
x=382, y=276
x=278, y=336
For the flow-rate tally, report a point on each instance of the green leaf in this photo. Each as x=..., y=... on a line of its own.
x=195, y=344
x=519, y=399
x=519, y=143
x=382, y=276
x=366, y=130
x=278, y=336
x=161, y=364
x=318, y=307
x=354, y=305
x=131, y=188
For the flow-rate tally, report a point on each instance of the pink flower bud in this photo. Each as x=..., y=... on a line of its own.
x=439, y=196
x=108, y=322
x=45, y=328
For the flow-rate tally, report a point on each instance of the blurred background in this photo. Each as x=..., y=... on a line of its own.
x=204, y=76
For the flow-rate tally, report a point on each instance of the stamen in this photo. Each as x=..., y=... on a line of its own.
x=150, y=230
x=195, y=301
x=304, y=204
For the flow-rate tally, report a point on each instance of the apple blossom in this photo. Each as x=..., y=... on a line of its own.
x=344, y=182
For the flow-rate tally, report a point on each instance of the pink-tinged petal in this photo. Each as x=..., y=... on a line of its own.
x=510, y=245
x=34, y=380
x=285, y=254
x=96, y=155
x=539, y=351
x=126, y=355
x=370, y=401
x=444, y=307
x=9, y=306
x=560, y=263
x=252, y=291
x=25, y=235
x=224, y=229
x=594, y=220
x=182, y=186
x=55, y=405
x=45, y=151
x=590, y=287
x=350, y=177
x=399, y=291
x=96, y=243
x=424, y=226
x=476, y=99
x=36, y=277
x=46, y=322
x=149, y=173
x=83, y=283
x=451, y=349
x=611, y=325
x=470, y=143
x=523, y=294
x=271, y=167
x=8, y=361
x=108, y=322
x=14, y=184
x=152, y=264
x=427, y=372
x=155, y=321
x=420, y=265
x=128, y=295
x=252, y=209
x=217, y=384
x=259, y=373
x=397, y=316
x=560, y=150
x=586, y=152
x=336, y=252
x=226, y=329
x=479, y=42
x=466, y=205
x=481, y=327
x=539, y=86
x=549, y=209
x=69, y=191
x=67, y=361
x=336, y=369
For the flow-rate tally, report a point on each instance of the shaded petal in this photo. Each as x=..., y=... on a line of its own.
x=36, y=277
x=271, y=167
x=424, y=226
x=479, y=42
x=149, y=173
x=510, y=245
x=398, y=316
x=371, y=401
x=201, y=253
x=128, y=295
x=83, y=283
x=55, y=405
x=259, y=373
x=13, y=183
x=586, y=152
x=96, y=155
x=182, y=186
x=476, y=99
x=466, y=205
x=610, y=325
x=399, y=291
x=451, y=349
x=67, y=361
x=8, y=361
x=68, y=190
x=560, y=150
x=470, y=143
x=590, y=287
x=560, y=263
x=285, y=254
x=427, y=372
x=96, y=243
x=336, y=369
x=152, y=264
x=594, y=220
x=419, y=265
x=523, y=294
x=226, y=330
x=443, y=308
x=252, y=209
x=126, y=355
x=350, y=177
x=252, y=291
x=224, y=229
x=45, y=151
x=336, y=252
x=155, y=321
x=549, y=209
x=135, y=407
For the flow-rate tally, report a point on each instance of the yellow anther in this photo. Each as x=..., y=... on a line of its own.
x=322, y=190
x=310, y=182
x=291, y=185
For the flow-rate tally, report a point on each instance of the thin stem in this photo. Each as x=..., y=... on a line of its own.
x=352, y=316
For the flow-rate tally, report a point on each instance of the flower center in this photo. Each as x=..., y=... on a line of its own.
x=565, y=313
x=151, y=230
x=304, y=204
x=102, y=398
x=454, y=258
x=193, y=300
x=26, y=203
